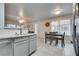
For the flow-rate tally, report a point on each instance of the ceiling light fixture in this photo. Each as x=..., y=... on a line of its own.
x=21, y=21
x=21, y=18
x=57, y=12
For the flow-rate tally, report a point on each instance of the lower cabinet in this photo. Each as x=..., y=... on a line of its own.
x=25, y=47
x=32, y=45
x=6, y=49
x=21, y=48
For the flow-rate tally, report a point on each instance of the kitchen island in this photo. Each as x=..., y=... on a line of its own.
x=18, y=45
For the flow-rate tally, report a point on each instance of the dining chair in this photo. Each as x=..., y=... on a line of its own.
x=60, y=37
x=48, y=38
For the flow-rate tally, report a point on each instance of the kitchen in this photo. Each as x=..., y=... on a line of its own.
x=23, y=27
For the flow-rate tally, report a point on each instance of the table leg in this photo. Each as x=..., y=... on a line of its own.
x=56, y=42
x=62, y=43
x=45, y=41
x=51, y=41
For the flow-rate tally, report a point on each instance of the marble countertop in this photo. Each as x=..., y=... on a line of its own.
x=15, y=36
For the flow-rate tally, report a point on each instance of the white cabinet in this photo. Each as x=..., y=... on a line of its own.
x=6, y=49
x=32, y=44
x=21, y=48
x=24, y=46
x=18, y=46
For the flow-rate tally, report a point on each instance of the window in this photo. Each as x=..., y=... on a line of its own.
x=54, y=27
x=65, y=26
x=61, y=26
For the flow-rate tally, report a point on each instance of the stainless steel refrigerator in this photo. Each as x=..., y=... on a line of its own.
x=75, y=27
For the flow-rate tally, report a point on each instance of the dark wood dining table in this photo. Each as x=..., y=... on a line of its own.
x=55, y=36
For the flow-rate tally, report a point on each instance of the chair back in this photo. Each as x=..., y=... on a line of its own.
x=53, y=32
x=63, y=35
x=47, y=35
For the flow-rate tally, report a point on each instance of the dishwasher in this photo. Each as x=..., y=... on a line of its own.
x=21, y=47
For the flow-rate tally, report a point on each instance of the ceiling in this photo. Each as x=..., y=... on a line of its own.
x=37, y=11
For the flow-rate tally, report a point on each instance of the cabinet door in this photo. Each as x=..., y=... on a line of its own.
x=6, y=49
x=32, y=45
x=21, y=48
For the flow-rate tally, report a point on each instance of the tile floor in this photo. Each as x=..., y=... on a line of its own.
x=51, y=50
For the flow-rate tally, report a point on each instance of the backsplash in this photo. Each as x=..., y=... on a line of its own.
x=11, y=32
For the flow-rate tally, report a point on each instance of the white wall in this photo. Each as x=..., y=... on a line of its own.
x=1, y=15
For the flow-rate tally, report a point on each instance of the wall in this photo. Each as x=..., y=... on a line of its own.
x=1, y=15
x=42, y=28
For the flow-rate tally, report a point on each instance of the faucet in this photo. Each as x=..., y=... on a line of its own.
x=21, y=21
x=20, y=30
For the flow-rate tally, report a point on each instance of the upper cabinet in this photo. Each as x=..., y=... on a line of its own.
x=1, y=15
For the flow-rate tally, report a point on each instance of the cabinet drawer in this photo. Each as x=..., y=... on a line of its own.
x=4, y=41
x=33, y=36
x=20, y=42
x=20, y=39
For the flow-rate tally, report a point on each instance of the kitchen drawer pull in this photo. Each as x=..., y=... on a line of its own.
x=4, y=42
